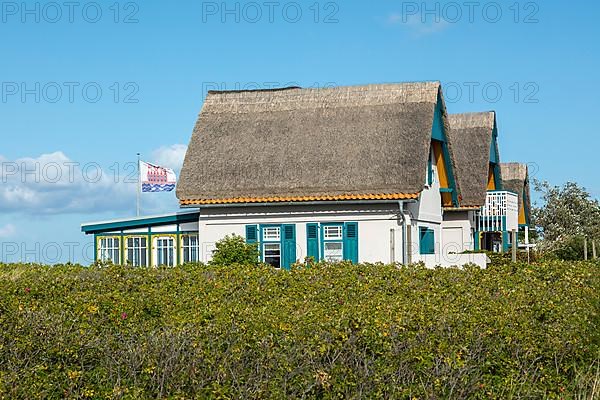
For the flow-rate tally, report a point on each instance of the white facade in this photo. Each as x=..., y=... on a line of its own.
x=388, y=232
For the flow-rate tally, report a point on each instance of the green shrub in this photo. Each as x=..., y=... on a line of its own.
x=234, y=250
x=572, y=249
x=328, y=331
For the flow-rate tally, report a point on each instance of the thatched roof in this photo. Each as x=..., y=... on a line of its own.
x=515, y=178
x=470, y=138
x=353, y=142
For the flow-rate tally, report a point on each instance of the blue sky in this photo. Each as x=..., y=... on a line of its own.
x=86, y=86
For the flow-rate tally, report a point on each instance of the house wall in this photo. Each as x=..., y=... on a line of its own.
x=375, y=224
x=457, y=233
x=426, y=213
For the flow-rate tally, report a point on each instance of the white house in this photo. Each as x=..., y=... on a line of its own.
x=360, y=173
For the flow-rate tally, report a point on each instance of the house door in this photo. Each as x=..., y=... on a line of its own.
x=491, y=241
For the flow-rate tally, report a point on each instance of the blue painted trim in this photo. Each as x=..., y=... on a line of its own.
x=95, y=247
x=426, y=241
x=140, y=222
x=439, y=133
x=446, y=190
x=350, y=249
x=505, y=245
x=494, y=156
x=322, y=238
x=316, y=241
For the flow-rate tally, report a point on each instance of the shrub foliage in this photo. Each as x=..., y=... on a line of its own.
x=328, y=331
x=234, y=250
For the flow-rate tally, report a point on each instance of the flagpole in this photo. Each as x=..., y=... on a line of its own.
x=139, y=186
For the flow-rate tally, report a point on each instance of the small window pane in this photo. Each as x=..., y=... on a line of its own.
x=334, y=251
x=272, y=254
x=190, y=248
x=165, y=251
x=272, y=234
x=110, y=250
x=137, y=251
x=333, y=232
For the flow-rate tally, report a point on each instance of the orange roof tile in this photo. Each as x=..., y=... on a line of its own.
x=241, y=200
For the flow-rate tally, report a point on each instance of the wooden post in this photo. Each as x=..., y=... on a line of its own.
x=514, y=246
x=593, y=249
x=585, y=251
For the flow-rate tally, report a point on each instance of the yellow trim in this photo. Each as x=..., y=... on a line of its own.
x=163, y=235
x=114, y=236
x=444, y=180
x=133, y=236
x=440, y=164
x=181, y=236
x=522, y=220
x=491, y=185
x=275, y=199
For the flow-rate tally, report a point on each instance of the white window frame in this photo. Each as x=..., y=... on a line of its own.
x=271, y=234
x=327, y=236
x=108, y=247
x=337, y=258
x=138, y=251
x=158, y=247
x=333, y=233
x=264, y=255
x=190, y=248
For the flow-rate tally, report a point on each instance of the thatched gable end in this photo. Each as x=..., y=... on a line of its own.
x=345, y=141
x=515, y=178
x=470, y=138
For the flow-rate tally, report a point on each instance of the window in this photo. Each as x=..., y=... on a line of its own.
x=110, y=249
x=426, y=241
x=271, y=234
x=271, y=251
x=277, y=243
x=333, y=242
x=165, y=250
x=430, y=172
x=333, y=232
x=189, y=244
x=272, y=254
x=333, y=251
x=137, y=251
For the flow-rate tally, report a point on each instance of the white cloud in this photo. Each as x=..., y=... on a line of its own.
x=416, y=25
x=7, y=230
x=55, y=184
x=170, y=156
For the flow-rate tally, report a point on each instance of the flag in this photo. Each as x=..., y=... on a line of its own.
x=156, y=179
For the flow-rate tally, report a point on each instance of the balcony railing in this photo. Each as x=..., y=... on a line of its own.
x=500, y=213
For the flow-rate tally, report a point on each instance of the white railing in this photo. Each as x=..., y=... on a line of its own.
x=500, y=213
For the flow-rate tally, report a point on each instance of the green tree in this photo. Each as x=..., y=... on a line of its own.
x=234, y=250
x=568, y=214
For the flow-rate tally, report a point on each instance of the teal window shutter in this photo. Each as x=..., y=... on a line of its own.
x=288, y=244
x=251, y=233
x=312, y=241
x=351, y=242
x=430, y=170
x=426, y=241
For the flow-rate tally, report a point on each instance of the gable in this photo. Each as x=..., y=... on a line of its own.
x=472, y=140
x=442, y=159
